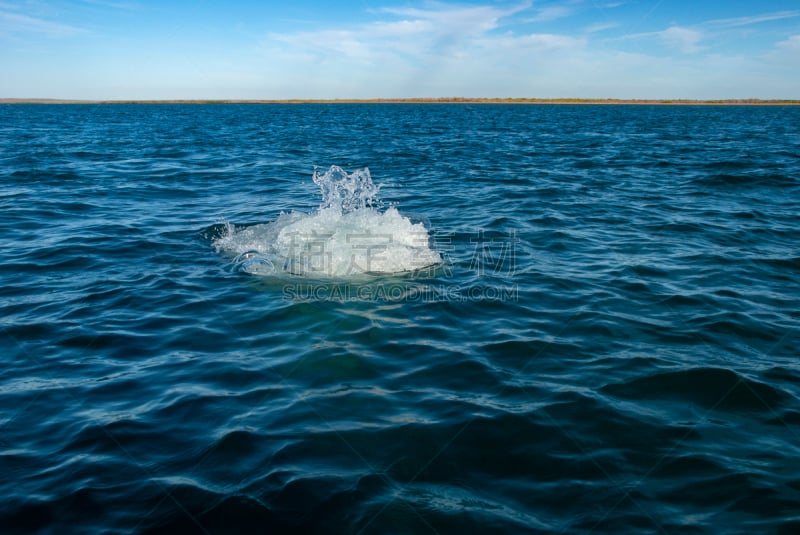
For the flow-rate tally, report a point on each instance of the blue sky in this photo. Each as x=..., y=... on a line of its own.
x=137, y=49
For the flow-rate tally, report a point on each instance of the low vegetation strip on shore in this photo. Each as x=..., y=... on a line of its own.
x=436, y=100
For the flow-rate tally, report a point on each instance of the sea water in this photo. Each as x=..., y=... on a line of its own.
x=507, y=319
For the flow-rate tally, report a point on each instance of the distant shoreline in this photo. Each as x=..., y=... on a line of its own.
x=443, y=100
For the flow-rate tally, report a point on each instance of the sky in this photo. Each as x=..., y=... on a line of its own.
x=318, y=49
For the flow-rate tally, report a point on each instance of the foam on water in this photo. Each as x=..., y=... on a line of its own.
x=348, y=234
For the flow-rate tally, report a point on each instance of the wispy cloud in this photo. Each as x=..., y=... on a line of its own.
x=439, y=30
x=551, y=13
x=792, y=44
x=682, y=39
x=553, y=48
x=127, y=6
x=685, y=40
x=786, y=55
x=527, y=45
x=458, y=20
x=754, y=19
x=436, y=49
x=600, y=27
x=18, y=23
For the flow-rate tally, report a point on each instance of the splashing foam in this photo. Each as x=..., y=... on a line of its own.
x=347, y=235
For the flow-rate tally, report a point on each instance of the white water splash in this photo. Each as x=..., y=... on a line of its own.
x=347, y=235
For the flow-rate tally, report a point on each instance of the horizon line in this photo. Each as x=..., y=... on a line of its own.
x=412, y=100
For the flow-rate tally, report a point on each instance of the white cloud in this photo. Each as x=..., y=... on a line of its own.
x=439, y=31
x=792, y=44
x=127, y=6
x=458, y=20
x=684, y=39
x=18, y=23
x=402, y=28
x=754, y=19
x=535, y=41
x=550, y=13
x=442, y=49
x=450, y=50
x=786, y=56
x=600, y=27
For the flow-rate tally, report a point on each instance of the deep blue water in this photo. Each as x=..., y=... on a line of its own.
x=610, y=343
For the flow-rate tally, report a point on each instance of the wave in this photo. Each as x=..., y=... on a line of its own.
x=710, y=388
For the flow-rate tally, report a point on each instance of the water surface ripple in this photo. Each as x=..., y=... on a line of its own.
x=609, y=345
